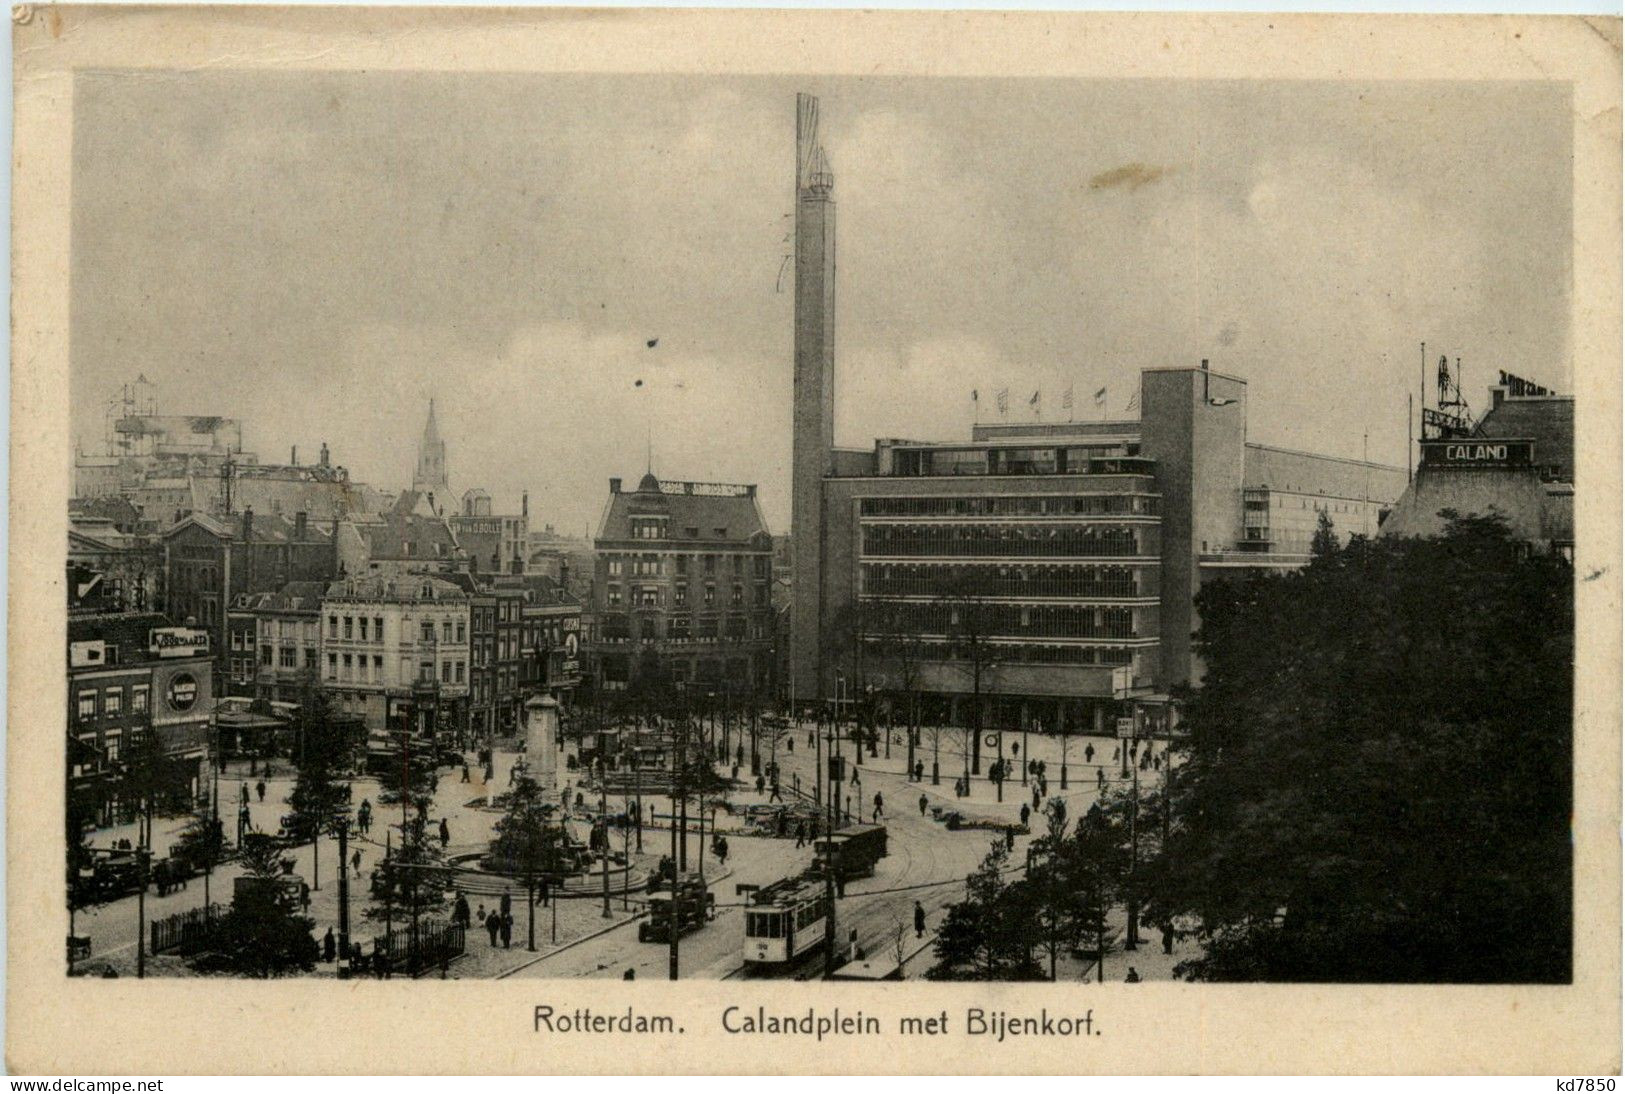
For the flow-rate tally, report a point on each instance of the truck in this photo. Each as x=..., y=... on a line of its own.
x=852, y=851
x=696, y=906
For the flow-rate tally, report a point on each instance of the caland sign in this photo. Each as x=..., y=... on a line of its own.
x=178, y=641
x=1468, y=452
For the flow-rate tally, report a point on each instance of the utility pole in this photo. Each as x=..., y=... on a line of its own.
x=676, y=785
x=343, y=823
x=1133, y=939
x=141, y=917
x=834, y=776
x=603, y=820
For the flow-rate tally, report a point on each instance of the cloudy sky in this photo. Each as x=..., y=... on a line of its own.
x=320, y=253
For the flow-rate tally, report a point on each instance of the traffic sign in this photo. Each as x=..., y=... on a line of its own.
x=1125, y=728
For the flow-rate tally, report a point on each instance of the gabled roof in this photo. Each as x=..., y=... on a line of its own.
x=697, y=507
x=404, y=536
x=264, y=528
x=295, y=596
x=407, y=587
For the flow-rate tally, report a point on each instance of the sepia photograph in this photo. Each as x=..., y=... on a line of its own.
x=902, y=528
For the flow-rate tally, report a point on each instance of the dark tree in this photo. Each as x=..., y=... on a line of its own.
x=990, y=934
x=529, y=845
x=1378, y=779
x=1324, y=544
x=261, y=936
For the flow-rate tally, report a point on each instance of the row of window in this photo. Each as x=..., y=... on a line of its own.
x=108, y=702
x=655, y=528
x=1073, y=460
x=999, y=540
x=682, y=628
x=994, y=653
x=359, y=669
x=653, y=565
x=706, y=672
x=1028, y=505
x=649, y=596
x=287, y=657
x=982, y=619
x=1017, y=582
x=507, y=648
x=363, y=628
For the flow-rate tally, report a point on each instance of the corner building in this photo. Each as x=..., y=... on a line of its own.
x=1078, y=547
x=684, y=581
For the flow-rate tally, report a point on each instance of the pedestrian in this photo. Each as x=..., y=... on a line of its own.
x=1167, y=938
x=801, y=834
x=919, y=771
x=1089, y=754
x=465, y=772
x=355, y=861
x=721, y=849
x=919, y=920
x=459, y=913
x=760, y=784
x=855, y=779
x=1038, y=796
x=1009, y=839
x=1100, y=777
x=923, y=803
x=775, y=796
x=1133, y=976
x=493, y=925
x=243, y=797
x=1026, y=814
x=445, y=833
x=329, y=947
x=304, y=894
x=259, y=788
x=507, y=932
x=880, y=809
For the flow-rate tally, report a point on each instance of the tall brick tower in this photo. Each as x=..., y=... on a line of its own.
x=814, y=412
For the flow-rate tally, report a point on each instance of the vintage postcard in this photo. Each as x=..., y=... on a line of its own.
x=788, y=541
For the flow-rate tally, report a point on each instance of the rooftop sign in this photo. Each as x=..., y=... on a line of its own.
x=1477, y=452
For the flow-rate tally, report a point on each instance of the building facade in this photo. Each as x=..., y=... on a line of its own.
x=683, y=581
x=1050, y=567
x=388, y=641
x=1516, y=462
x=210, y=563
x=131, y=674
x=284, y=659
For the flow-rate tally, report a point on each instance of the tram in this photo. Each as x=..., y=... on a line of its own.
x=784, y=921
x=852, y=851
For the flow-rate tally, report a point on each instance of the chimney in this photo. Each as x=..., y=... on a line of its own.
x=324, y=453
x=564, y=573
x=293, y=456
x=299, y=526
x=614, y=486
x=517, y=565
x=524, y=504
x=248, y=524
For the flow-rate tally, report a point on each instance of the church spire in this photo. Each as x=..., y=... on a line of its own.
x=430, y=476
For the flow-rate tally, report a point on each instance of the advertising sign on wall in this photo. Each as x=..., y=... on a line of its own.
x=182, y=693
x=178, y=641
